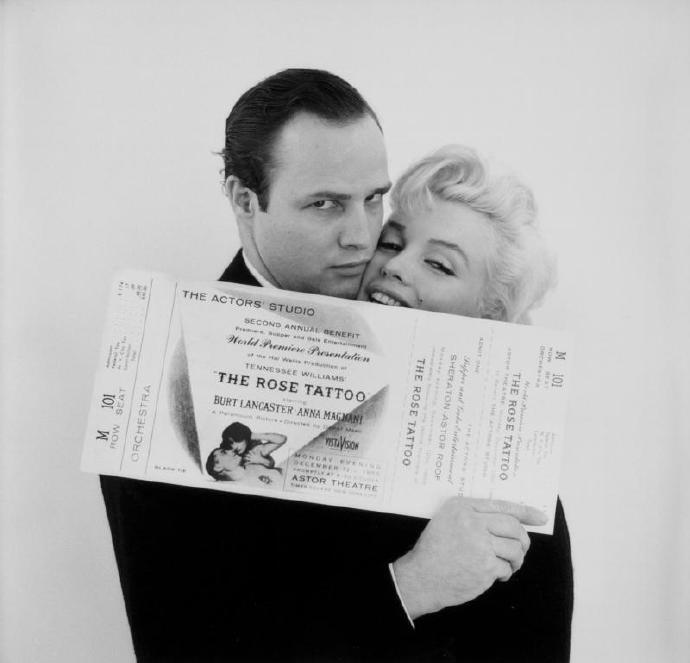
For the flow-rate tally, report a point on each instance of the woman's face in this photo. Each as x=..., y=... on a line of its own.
x=238, y=446
x=435, y=260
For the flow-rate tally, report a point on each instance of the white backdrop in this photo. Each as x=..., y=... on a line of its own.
x=110, y=116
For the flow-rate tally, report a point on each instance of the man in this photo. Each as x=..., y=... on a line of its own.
x=306, y=171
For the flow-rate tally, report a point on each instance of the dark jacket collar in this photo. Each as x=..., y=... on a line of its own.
x=237, y=272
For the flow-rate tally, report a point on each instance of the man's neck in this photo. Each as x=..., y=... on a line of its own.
x=263, y=281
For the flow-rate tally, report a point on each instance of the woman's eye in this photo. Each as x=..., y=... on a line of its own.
x=325, y=204
x=439, y=266
x=389, y=246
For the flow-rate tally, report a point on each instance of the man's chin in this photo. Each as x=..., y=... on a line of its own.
x=325, y=284
x=342, y=289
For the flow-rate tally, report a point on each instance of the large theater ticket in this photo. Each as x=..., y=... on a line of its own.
x=307, y=397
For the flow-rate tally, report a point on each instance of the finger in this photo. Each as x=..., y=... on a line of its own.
x=509, y=550
x=527, y=515
x=502, y=570
x=508, y=527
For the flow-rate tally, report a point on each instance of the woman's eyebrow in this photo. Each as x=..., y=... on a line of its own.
x=452, y=246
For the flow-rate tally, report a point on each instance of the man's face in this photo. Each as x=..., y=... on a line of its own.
x=324, y=209
x=227, y=463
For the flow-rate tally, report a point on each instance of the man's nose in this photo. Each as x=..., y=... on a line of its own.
x=360, y=229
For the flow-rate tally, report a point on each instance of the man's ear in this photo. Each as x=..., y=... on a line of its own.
x=243, y=200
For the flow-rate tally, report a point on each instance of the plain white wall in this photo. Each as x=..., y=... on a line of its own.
x=110, y=114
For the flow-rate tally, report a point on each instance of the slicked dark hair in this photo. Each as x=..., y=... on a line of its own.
x=261, y=112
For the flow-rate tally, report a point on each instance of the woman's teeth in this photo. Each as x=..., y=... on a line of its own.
x=381, y=298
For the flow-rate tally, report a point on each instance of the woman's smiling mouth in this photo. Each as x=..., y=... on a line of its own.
x=385, y=299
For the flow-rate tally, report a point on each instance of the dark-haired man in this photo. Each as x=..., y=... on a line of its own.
x=306, y=170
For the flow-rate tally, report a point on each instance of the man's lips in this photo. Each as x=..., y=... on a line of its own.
x=356, y=267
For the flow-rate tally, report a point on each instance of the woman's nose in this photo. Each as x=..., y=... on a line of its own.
x=395, y=269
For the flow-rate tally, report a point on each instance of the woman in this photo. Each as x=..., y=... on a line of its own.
x=459, y=241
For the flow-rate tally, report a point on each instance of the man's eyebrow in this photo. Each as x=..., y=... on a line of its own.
x=330, y=195
x=335, y=195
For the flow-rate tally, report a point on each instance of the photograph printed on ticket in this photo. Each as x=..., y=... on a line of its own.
x=313, y=398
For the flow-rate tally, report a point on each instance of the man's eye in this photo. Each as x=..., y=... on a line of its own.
x=325, y=204
x=440, y=267
x=374, y=198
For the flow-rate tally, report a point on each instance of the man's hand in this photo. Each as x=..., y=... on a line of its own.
x=465, y=548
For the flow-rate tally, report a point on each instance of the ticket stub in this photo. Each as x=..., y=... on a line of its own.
x=307, y=397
